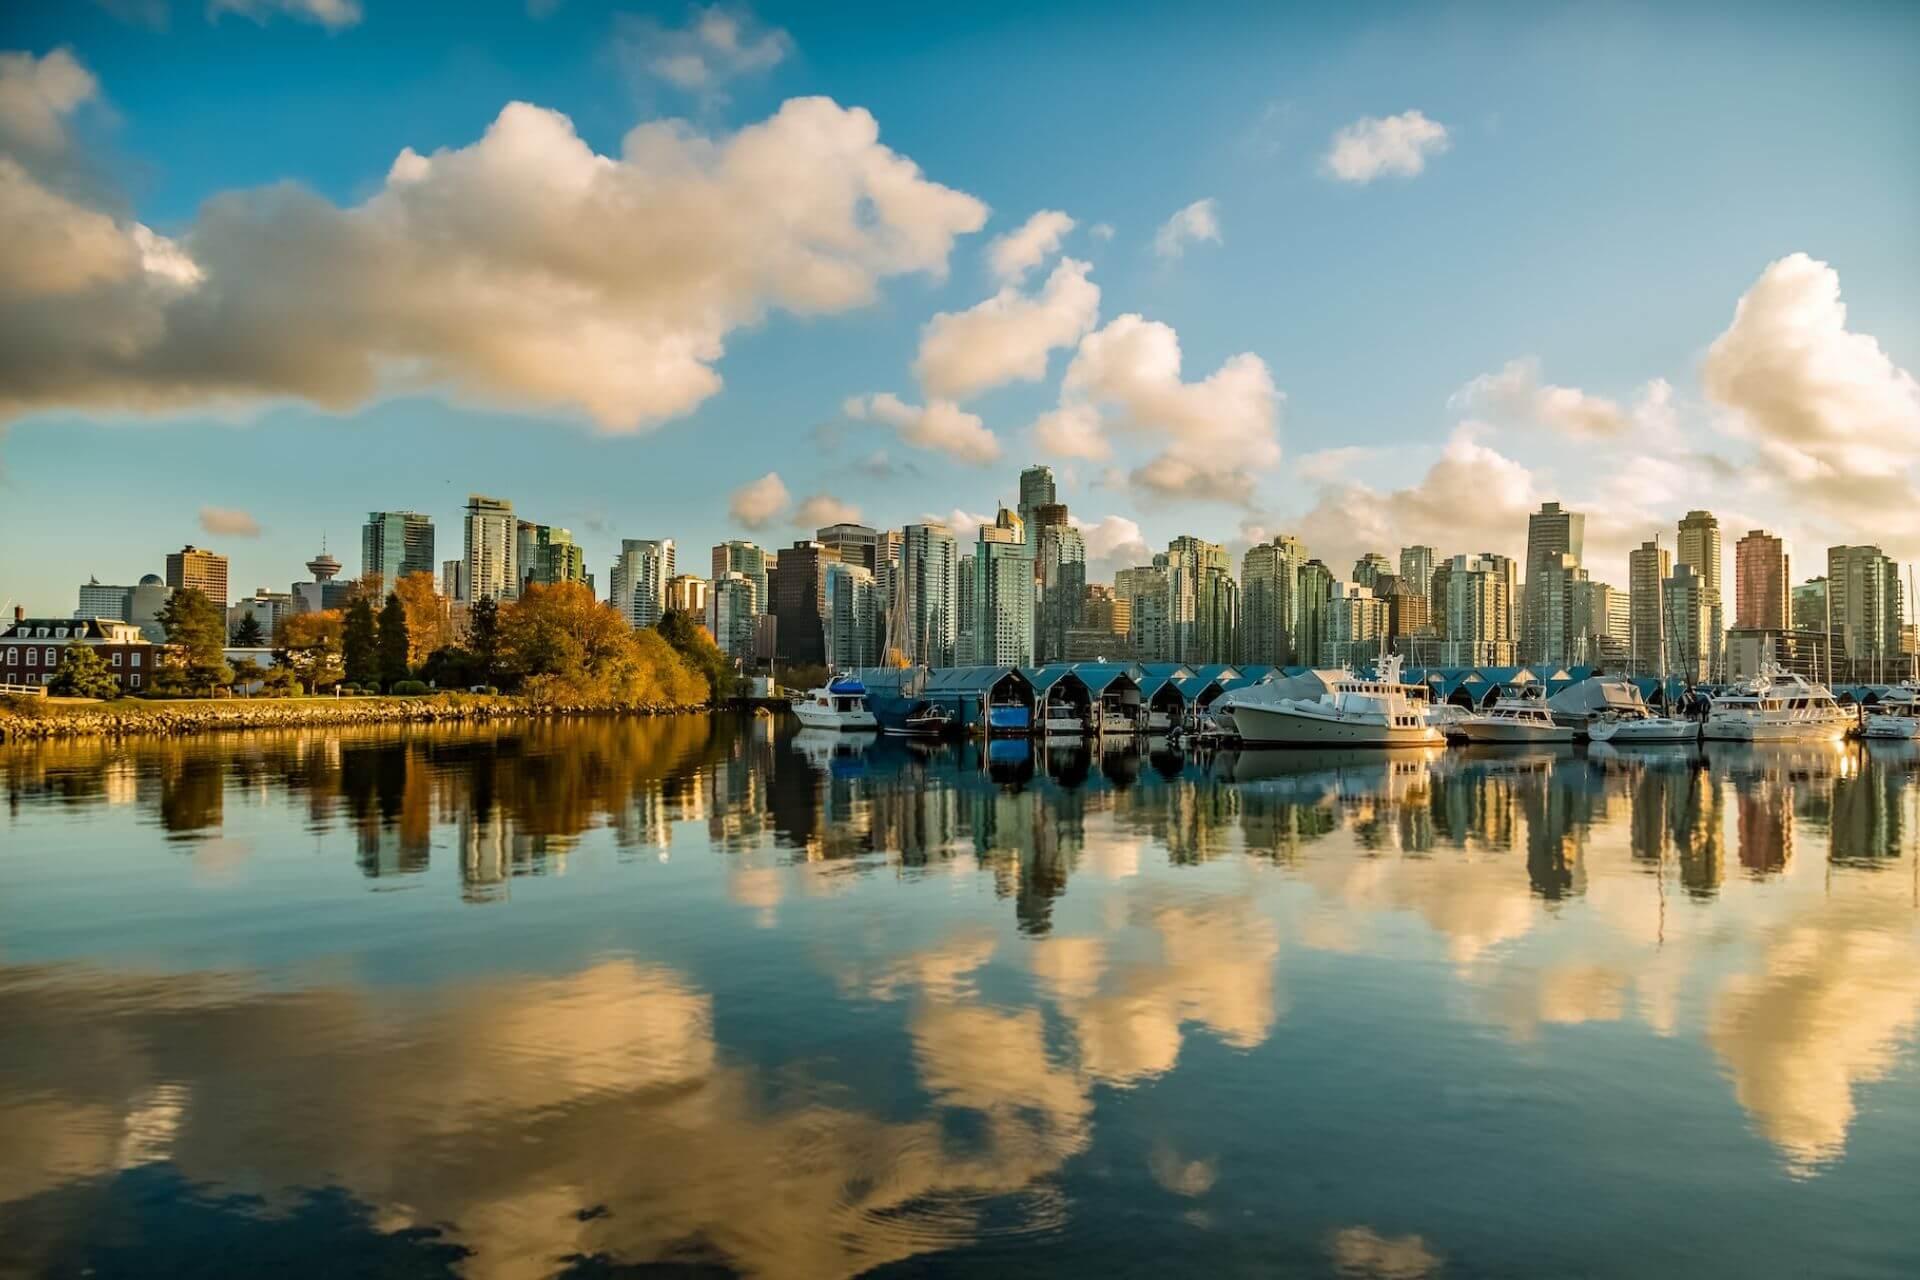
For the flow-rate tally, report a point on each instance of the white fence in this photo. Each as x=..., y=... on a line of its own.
x=31, y=690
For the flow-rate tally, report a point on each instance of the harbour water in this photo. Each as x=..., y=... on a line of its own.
x=713, y=996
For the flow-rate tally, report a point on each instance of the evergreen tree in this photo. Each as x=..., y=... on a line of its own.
x=83, y=673
x=197, y=633
x=484, y=641
x=248, y=634
x=393, y=641
x=682, y=629
x=360, y=645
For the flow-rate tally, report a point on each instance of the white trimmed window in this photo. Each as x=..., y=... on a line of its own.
x=136, y=662
x=116, y=659
x=134, y=680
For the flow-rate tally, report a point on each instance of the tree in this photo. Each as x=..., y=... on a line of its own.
x=360, y=645
x=452, y=667
x=83, y=673
x=681, y=629
x=427, y=628
x=569, y=647
x=484, y=640
x=393, y=642
x=248, y=634
x=309, y=645
x=197, y=637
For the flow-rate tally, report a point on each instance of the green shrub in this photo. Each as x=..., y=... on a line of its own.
x=408, y=687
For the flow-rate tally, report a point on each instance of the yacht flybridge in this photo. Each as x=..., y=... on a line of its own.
x=1355, y=712
x=1777, y=706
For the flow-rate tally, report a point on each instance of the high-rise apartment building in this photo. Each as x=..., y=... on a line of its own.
x=394, y=544
x=687, y=593
x=1698, y=547
x=1809, y=605
x=492, y=538
x=1480, y=621
x=1688, y=618
x=1602, y=624
x=798, y=581
x=1416, y=566
x=637, y=582
x=851, y=544
x=928, y=583
x=1356, y=626
x=1003, y=592
x=1102, y=633
x=1761, y=574
x=1190, y=562
x=1556, y=541
x=202, y=570
x=1314, y=588
x=452, y=573
x=1062, y=571
x=1648, y=568
x=1368, y=568
x=1269, y=589
x=546, y=556
x=733, y=609
x=1863, y=589
x=965, y=615
x=853, y=618
x=743, y=557
x=1036, y=490
x=1143, y=590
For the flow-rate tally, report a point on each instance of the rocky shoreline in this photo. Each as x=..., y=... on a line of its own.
x=179, y=718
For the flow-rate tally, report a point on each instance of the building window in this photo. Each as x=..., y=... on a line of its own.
x=116, y=658
x=136, y=662
x=13, y=656
x=134, y=679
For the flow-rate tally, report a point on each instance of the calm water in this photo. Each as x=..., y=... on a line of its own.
x=715, y=997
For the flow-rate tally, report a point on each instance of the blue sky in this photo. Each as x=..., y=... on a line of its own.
x=1613, y=181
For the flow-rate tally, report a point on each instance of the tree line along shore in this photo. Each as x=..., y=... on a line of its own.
x=556, y=650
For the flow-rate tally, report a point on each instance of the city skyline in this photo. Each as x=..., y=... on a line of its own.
x=1209, y=314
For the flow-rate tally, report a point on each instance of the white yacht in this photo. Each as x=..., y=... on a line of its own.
x=1777, y=706
x=842, y=704
x=1355, y=712
x=1514, y=721
x=1629, y=727
x=1896, y=716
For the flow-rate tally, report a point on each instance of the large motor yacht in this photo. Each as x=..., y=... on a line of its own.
x=1355, y=712
x=1777, y=706
x=1896, y=716
x=1638, y=728
x=1514, y=721
x=841, y=704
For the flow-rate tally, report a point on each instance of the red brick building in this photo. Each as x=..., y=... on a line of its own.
x=30, y=649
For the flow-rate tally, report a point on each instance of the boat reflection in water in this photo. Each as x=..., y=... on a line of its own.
x=714, y=995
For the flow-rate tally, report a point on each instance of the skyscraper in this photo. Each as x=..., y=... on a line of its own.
x=852, y=616
x=1556, y=540
x=1314, y=588
x=490, y=573
x=1760, y=578
x=1368, y=568
x=1689, y=609
x=1189, y=561
x=1003, y=592
x=1648, y=569
x=394, y=544
x=1269, y=587
x=1356, y=626
x=743, y=557
x=1480, y=622
x=1063, y=581
x=637, y=582
x=733, y=606
x=851, y=544
x=1416, y=566
x=1698, y=547
x=1863, y=589
x=545, y=556
x=1143, y=589
x=798, y=582
x=1036, y=490
x=928, y=582
x=202, y=570
x=965, y=615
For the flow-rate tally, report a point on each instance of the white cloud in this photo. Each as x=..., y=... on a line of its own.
x=758, y=503
x=1102, y=231
x=229, y=522
x=1021, y=250
x=823, y=509
x=1113, y=543
x=1324, y=466
x=965, y=524
x=718, y=44
x=941, y=425
x=38, y=94
x=1373, y=147
x=334, y=15
x=1198, y=221
x=1072, y=431
x=524, y=270
x=1516, y=393
x=1008, y=337
x=1216, y=432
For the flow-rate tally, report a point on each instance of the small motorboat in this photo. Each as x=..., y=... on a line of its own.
x=840, y=704
x=926, y=720
x=1623, y=729
x=1895, y=717
x=1513, y=722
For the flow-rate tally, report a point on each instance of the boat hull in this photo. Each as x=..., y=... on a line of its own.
x=813, y=717
x=1643, y=732
x=1890, y=728
x=1511, y=734
x=1746, y=729
x=1279, y=727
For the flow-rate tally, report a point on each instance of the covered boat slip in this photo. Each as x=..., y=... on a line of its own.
x=1097, y=699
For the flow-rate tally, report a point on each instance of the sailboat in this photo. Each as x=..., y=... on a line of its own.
x=1642, y=728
